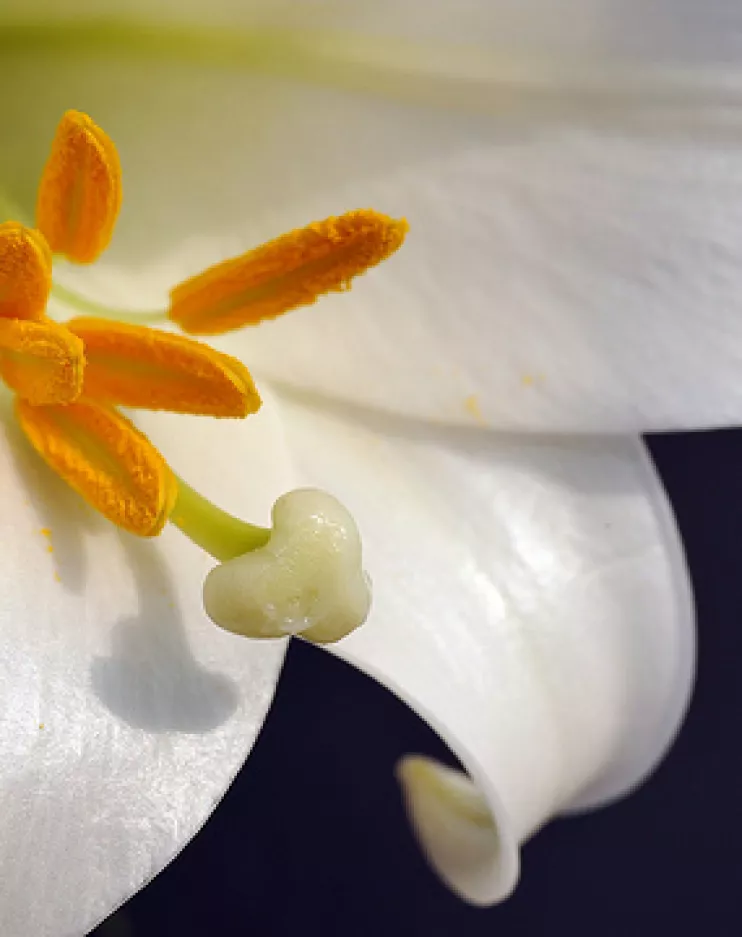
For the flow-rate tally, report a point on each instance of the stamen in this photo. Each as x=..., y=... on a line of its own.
x=43, y=362
x=100, y=454
x=135, y=366
x=290, y=271
x=80, y=190
x=25, y=272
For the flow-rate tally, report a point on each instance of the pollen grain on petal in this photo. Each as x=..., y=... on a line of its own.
x=79, y=194
x=291, y=271
x=136, y=366
x=41, y=361
x=25, y=272
x=106, y=459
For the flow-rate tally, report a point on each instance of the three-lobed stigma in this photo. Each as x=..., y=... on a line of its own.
x=307, y=579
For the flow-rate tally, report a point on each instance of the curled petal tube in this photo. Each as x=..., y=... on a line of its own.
x=531, y=603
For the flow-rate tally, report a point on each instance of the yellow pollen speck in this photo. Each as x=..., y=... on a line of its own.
x=41, y=725
x=102, y=455
x=25, y=272
x=80, y=190
x=57, y=577
x=135, y=366
x=291, y=271
x=472, y=407
x=531, y=380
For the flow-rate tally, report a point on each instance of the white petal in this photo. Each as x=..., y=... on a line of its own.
x=573, y=263
x=673, y=31
x=563, y=277
x=563, y=274
x=530, y=601
x=125, y=712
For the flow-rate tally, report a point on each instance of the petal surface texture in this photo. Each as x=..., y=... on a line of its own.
x=126, y=713
x=571, y=179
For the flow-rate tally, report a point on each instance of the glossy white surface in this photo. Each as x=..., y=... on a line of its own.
x=531, y=603
x=571, y=266
x=125, y=711
x=571, y=179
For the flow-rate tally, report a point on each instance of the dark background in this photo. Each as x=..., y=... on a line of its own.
x=311, y=838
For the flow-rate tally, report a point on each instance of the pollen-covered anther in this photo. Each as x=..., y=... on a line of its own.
x=135, y=366
x=307, y=579
x=79, y=195
x=25, y=272
x=105, y=458
x=42, y=361
x=291, y=271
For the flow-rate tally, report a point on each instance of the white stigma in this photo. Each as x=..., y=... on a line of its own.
x=307, y=580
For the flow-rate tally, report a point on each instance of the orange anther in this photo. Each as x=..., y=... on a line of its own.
x=42, y=361
x=135, y=366
x=80, y=190
x=100, y=454
x=25, y=272
x=290, y=271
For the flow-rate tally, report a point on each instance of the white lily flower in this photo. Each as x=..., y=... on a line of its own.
x=570, y=181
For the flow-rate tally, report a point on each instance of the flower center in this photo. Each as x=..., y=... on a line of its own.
x=305, y=575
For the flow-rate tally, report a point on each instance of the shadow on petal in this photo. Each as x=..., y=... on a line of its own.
x=152, y=680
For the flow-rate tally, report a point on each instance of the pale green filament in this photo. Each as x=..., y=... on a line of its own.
x=101, y=311
x=82, y=305
x=218, y=533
